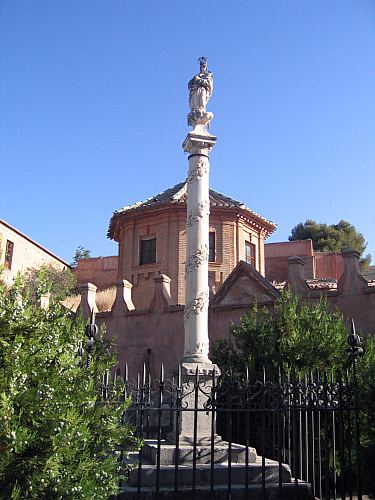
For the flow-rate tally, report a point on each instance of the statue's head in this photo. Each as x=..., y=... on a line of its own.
x=203, y=64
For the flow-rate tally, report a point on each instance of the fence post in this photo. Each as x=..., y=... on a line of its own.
x=354, y=352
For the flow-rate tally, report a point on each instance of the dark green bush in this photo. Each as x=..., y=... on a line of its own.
x=57, y=435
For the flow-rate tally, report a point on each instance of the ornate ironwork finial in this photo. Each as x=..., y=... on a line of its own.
x=356, y=348
x=91, y=329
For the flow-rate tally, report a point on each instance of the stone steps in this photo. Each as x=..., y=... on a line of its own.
x=239, y=472
x=202, y=453
x=238, y=492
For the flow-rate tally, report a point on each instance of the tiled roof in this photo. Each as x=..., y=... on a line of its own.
x=177, y=194
x=369, y=274
x=320, y=283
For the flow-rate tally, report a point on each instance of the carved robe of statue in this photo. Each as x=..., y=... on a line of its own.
x=200, y=90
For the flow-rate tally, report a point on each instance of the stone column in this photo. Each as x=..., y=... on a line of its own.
x=198, y=143
x=197, y=247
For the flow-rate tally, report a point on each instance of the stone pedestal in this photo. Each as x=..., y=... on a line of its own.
x=202, y=375
x=195, y=434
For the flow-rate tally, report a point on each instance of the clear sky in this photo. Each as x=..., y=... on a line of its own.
x=94, y=103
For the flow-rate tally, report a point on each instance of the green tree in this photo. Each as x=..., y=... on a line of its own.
x=332, y=238
x=295, y=334
x=59, y=283
x=80, y=253
x=58, y=436
x=305, y=336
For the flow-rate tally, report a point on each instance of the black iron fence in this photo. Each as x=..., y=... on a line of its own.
x=305, y=430
x=207, y=434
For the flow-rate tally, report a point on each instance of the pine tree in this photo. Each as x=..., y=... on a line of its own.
x=332, y=238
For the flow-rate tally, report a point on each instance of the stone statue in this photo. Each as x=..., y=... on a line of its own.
x=200, y=90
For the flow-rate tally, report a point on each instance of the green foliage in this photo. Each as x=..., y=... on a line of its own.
x=295, y=334
x=332, y=238
x=57, y=435
x=80, y=253
x=366, y=385
x=303, y=336
x=59, y=283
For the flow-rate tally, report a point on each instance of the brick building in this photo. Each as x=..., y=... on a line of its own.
x=152, y=241
x=318, y=265
x=145, y=311
x=18, y=253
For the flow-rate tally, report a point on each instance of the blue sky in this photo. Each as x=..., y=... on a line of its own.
x=94, y=102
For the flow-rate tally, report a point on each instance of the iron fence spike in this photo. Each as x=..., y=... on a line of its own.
x=144, y=374
x=92, y=317
x=179, y=375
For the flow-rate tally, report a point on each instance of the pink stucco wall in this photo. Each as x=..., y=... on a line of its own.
x=101, y=271
x=158, y=337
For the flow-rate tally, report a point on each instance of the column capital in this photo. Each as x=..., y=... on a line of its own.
x=199, y=143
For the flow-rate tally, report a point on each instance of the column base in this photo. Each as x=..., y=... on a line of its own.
x=202, y=453
x=197, y=358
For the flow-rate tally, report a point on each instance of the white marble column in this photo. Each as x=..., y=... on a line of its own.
x=198, y=144
x=197, y=249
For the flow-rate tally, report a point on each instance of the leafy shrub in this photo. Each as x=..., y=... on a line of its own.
x=294, y=334
x=46, y=279
x=58, y=436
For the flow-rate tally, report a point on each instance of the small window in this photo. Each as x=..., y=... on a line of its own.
x=8, y=254
x=250, y=253
x=147, y=251
x=212, y=249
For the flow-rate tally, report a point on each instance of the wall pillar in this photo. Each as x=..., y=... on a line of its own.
x=162, y=294
x=296, y=276
x=123, y=301
x=44, y=300
x=88, y=299
x=351, y=281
